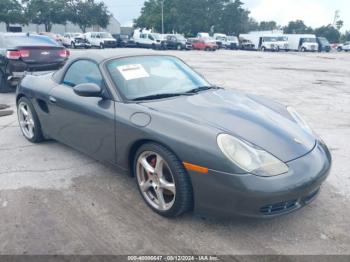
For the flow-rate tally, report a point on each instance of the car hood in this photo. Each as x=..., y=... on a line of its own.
x=244, y=117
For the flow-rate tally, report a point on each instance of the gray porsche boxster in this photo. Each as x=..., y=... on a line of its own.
x=190, y=145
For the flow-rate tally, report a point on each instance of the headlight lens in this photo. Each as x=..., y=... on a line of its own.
x=300, y=120
x=249, y=158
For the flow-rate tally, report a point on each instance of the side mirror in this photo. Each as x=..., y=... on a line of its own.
x=88, y=90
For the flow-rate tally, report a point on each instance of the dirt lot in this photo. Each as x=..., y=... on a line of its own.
x=54, y=200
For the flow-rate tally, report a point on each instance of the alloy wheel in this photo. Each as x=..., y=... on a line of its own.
x=156, y=181
x=26, y=120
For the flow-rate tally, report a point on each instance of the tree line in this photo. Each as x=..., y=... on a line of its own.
x=224, y=16
x=84, y=13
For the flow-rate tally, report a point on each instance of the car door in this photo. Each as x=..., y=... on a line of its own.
x=84, y=123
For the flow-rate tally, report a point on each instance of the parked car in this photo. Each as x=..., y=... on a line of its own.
x=21, y=53
x=227, y=42
x=147, y=39
x=206, y=44
x=344, y=47
x=224, y=153
x=323, y=44
x=125, y=41
x=101, y=39
x=75, y=40
x=246, y=45
x=178, y=42
x=302, y=42
x=232, y=42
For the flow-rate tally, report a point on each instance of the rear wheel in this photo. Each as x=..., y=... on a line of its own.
x=4, y=86
x=162, y=181
x=339, y=49
x=29, y=121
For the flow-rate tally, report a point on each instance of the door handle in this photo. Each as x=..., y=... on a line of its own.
x=52, y=99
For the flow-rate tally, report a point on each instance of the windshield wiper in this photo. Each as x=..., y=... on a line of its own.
x=158, y=96
x=202, y=88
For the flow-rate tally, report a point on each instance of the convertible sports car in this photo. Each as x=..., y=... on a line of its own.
x=190, y=145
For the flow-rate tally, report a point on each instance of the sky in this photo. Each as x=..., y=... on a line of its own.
x=315, y=13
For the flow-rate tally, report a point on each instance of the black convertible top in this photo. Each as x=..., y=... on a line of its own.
x=102, y=55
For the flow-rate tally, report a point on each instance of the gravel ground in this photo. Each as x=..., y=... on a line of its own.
x=54, y=200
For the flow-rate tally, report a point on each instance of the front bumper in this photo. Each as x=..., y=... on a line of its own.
x=222, y=194
x=110, y=44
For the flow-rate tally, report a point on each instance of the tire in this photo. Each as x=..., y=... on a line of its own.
x=37, y=135
x=339, y=49
x=174, y=175
x=102, y=46
x=263, y=49
x=179, y=47
x=4, y=86
x=73, y=45
x=303, y=50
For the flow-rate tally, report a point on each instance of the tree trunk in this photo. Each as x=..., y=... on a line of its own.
x=82, y=28
x=48, y=27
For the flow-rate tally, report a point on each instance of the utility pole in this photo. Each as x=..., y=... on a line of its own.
x=336, y=18
x=162, y=3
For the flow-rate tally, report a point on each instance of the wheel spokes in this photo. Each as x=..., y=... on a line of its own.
x=159, y=166
x=146, y=165
x=145, y=185
x=160, y=198
x=24, y=111
x=167, y=185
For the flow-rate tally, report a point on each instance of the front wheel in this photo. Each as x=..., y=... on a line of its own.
x=29, y=121
x=162, y=181
x=263, y=49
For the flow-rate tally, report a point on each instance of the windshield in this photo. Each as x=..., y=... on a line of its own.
x=309, y=40
x=180, y=37
x=221, y=38
x=156, y=36
x=106, y=35
x=324, y=41
x=282, y=39
x=270, y=39
x=232, y=38
x=143, y=76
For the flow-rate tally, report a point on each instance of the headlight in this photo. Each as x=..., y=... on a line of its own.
x=250, y=158
x=301, y=122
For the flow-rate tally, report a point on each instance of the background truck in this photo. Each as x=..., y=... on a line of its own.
x=262, y=42
x=302, y=42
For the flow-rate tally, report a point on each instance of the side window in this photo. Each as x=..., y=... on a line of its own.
x=83, y=71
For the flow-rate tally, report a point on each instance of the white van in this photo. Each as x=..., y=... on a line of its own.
x=228, y=42
x=262, y=42
x=101, y=39
x=203, y=35
x=302, y=42
x=147, y=39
